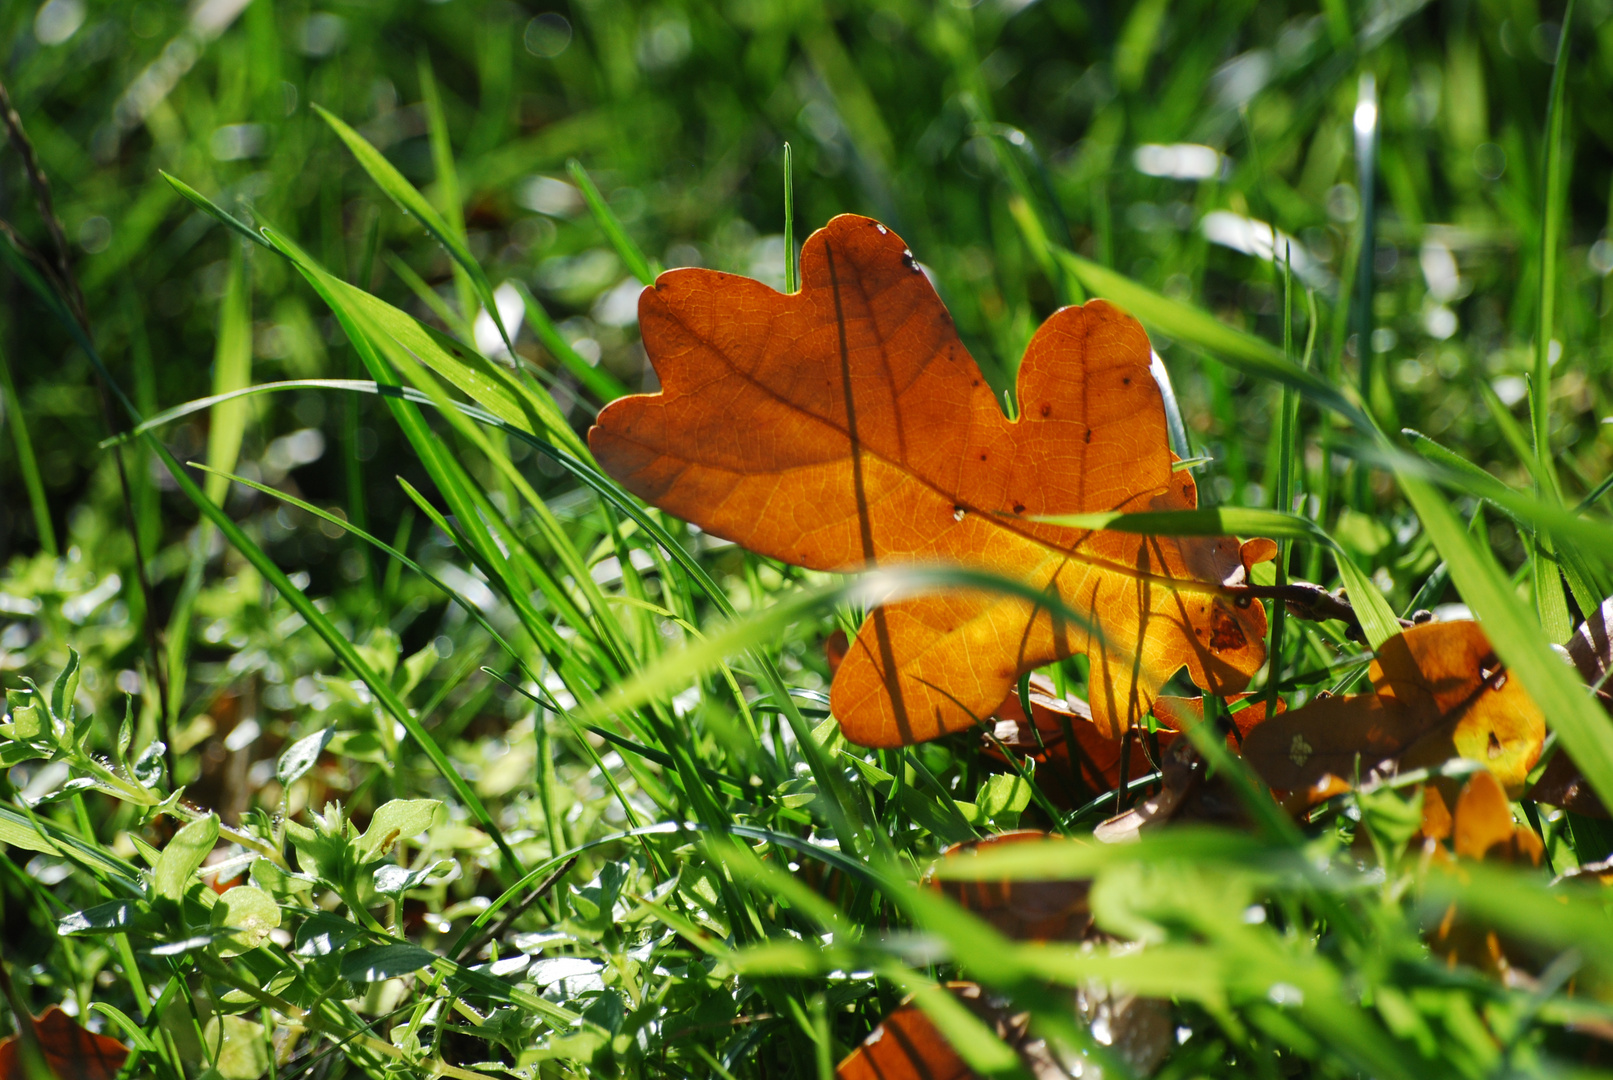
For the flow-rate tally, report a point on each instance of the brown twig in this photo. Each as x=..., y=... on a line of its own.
x=47, y=208
x=1311, y=602
x=66, y=285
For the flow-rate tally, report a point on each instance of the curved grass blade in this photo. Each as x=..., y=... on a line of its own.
x=410, y=201
x=1590, y=538
x=1551, y=225
x=212, y=209
x=179, y=412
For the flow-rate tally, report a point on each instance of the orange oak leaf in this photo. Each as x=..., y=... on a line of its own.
x=1481, y=828
x=1439, y=693
x=70, y=1050
x=846, y=426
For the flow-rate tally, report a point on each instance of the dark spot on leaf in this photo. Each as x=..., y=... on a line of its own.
x=1019, y=508
x=982, y=457
x=1047, y=410
x=1126, y=381
x=1088, y=436
x=1225, y=634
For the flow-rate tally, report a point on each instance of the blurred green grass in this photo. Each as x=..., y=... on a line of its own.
x=681, y=113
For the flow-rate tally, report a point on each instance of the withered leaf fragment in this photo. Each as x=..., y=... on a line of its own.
x=72, y=1051
x=1065, y=777
x=1438, y=693
x=845, y=426
x=907, y=1046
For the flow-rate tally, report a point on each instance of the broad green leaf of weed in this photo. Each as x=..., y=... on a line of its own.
x=182, y=856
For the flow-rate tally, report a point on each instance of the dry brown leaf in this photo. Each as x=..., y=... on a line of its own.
x=1042, y=739
x=907, y=1046
x=1186, y=794
x=72, y=1051
x=1591, y=649
x=1482, y=825
x=1563, y=785
x=1481, y=828
x=1023, y=910
x=1438, y=693
x=845, y=426
x=1179, y=713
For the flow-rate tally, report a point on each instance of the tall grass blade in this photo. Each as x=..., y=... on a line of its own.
x=27, y=464
x=1552, y=195
x=792, y=271
x=449, y=199
x=213, y=210
x=232, y=372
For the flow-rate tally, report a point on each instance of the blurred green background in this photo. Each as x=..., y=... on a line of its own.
x=680, y=112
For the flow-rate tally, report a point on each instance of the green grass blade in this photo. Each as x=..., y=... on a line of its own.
x=1236, y=348
x=442, y=159
x=792, y=272
x=1552, y=197
x=27, y=464
x=213, y=210
x=232, y=371
x=488, y=384
x=1590, y=538
x=610, y=225
x=1449, y=459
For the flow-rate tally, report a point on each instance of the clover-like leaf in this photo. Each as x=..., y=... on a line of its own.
x=250, y=913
